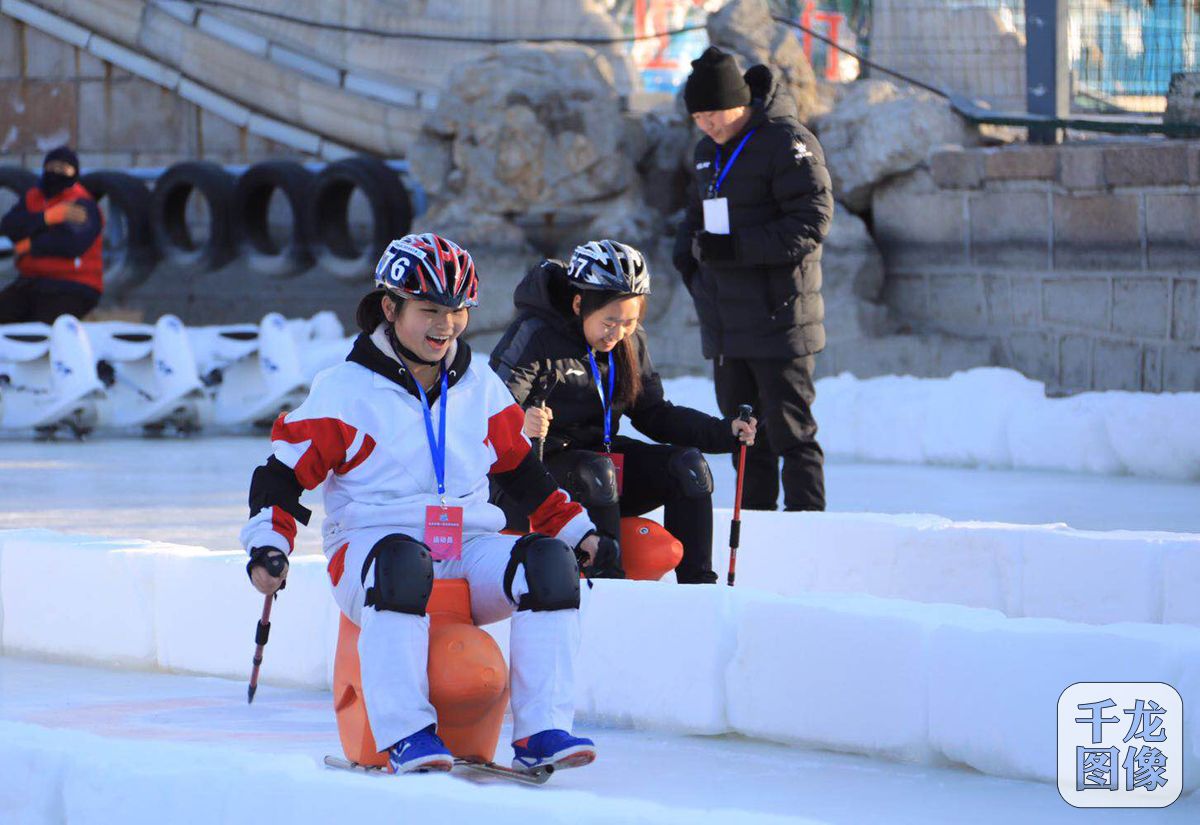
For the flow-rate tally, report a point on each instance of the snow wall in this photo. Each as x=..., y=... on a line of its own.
x=876, y=674
x=886, y=677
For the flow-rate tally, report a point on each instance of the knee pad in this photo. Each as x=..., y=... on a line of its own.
x=403, y=575
x=551, y=572
x=592, y=480
x=690, y=472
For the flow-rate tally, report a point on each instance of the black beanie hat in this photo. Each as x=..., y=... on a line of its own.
x=62, y=153
x=715, y=83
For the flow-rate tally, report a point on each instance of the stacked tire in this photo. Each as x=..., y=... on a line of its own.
x=329, y=214
x=198, y=217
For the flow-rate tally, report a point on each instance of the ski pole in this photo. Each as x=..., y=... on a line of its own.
x=735, y=526
x=261, y=634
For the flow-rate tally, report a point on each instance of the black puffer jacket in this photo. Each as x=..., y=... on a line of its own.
x=766, y=302
x=544, y=343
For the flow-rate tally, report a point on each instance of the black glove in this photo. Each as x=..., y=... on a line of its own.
x=272, y=558
x=607, y=562
x=717, y=247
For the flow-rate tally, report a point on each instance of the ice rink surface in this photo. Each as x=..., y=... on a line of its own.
x=179, y=718
x=193, y=491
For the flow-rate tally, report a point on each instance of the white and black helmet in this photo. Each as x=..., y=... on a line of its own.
x=610, y=266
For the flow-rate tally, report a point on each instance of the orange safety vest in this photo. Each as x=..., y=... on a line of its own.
x=87, y=269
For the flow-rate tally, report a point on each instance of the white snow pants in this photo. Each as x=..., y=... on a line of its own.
x=393, y=648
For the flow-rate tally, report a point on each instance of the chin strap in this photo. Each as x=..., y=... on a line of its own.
x=403, y=351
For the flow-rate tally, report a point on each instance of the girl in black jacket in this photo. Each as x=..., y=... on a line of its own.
x=576, y=359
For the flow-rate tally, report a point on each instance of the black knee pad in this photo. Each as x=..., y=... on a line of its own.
x=403, y=575
x=690, y=472
x=592, y=480
x=550, y=570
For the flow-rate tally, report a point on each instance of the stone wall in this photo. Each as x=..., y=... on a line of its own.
x=1077, y=262
x=52, y=92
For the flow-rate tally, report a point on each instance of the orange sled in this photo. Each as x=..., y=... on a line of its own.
x=648, y=551
x=468, y=682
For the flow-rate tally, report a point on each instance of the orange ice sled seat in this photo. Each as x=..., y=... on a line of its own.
x=648, y=551
x=468, y=682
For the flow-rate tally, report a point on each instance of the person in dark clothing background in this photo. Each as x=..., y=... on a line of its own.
x=56, y=232
x=578, y=347
x=749, y=252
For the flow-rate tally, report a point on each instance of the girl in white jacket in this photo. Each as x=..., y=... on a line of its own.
x=405, y=435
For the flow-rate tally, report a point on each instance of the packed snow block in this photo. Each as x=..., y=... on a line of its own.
x=654, y=654
x=1090, y=577
x=994, y=688
x=847, y=673
x=917, y=557
x=1154, y=434
x=1063, y=434
x=76, y=597
x=950, y=435
x=966, y=564
x=1181, y=586
x=206, y=614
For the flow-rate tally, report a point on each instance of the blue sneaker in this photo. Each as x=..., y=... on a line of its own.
x=552, y=748
x=423, y=751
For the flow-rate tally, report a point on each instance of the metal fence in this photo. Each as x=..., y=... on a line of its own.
x=1122, y=53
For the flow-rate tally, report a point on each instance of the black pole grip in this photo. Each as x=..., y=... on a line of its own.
x=735, y=534
x=262, y=633
x=745, y=411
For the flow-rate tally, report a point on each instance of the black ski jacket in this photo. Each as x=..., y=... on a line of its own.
x=543, y=345
x=766, y=302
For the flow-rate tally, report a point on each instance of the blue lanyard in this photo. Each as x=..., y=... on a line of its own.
x=437, y=447
x=605, y=401
x=721, y=171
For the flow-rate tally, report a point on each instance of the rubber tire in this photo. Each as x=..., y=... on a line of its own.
x=168, y=202
x=327, y=214
x=132, y=198
x=251, y=200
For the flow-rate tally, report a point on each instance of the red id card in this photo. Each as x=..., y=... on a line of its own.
x=444, y=532
x=618, y=461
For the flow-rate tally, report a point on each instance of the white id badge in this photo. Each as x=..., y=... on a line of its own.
x=716, y=216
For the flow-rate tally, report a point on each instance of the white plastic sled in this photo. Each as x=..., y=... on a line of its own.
x=252, y=372
x=150, y=374
x=48, y=378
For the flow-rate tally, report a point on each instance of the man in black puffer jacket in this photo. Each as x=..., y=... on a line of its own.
x=749, y=252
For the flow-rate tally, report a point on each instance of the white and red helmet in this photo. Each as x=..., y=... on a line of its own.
x=428, y=267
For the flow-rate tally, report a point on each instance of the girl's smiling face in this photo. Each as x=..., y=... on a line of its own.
x=424, y=327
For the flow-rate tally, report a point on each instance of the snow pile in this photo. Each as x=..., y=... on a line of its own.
x=897, y=679
x=995, y=417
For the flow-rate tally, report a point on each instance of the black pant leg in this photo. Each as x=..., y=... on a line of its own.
x=15, y=302
x=606, y=518
x=649, y=483
x=788, y=393
x=51, y=300
x=736, y=384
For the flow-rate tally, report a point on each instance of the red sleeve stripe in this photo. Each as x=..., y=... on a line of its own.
x=284, y=524
x=506, y=438
x=356, y=457
x=554, y=513
x=328, y=441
